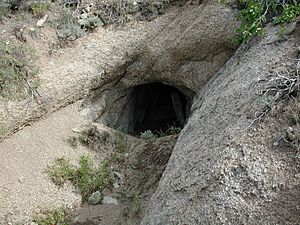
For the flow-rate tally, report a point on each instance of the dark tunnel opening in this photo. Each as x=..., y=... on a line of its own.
x=157, y=107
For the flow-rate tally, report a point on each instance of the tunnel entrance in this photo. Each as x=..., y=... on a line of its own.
x=157, y=107
x=152, y=106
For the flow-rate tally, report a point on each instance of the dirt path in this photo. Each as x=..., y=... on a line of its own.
x=24, y=186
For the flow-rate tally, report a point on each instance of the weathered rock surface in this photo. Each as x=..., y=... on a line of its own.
x=219, y=171
x=185, y=47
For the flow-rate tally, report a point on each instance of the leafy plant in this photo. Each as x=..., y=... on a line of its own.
x=91, y=22
x=58, y=216
x=18, y=71
x=39, y=7
x=148, y=135
x=61, y=171
x=170, y=131
x=289, y=13
x=86, y=177
x=69, y=29
x=256, y=13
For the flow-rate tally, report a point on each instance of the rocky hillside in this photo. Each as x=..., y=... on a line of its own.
x=192, y=105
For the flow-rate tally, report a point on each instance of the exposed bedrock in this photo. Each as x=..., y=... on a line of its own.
x=220, y=172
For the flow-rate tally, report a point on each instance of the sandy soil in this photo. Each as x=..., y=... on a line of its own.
x=25, y=188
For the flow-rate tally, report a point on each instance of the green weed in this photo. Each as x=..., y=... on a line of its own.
x=18, y=72
x=86, y=177
x=256, y=13
x=61, y=171
x=58, y=216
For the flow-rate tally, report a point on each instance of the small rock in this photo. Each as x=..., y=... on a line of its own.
x=41, y=22
x=95, y=198
x=297, y=175
x=77, y=130
x=116, y=185
x=33, y=223
x=110, y=200
x=298, y=49
x=119, y=175
x=21, y=179
x=290, y=135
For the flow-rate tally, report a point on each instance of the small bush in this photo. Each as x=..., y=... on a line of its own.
x=86, y=177
x=17, y=70
x=91, y=23
x=58, y=216
x=170, y=131
x=256, y=13
x=148, y=135
x=39, y=7
x=36, y=7
x=61, y=171
x=69, y=29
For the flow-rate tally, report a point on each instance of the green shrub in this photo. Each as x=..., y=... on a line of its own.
x=18, y=73
x=61, y=171
x=86, y=177
x=91, y=22
x=256, y=13
x=58, y=216
x=289, y=13
x=39, y=7
x=69, y=29
x=148, y=135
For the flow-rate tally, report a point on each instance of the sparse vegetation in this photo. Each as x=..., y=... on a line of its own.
x=39, y=8
x=282, y=86
x=73, y=141
x=86, y=177
x=2, y=130
x=91, y=22
x=68, y=29
x=59, y=216
x=120, y=12
x=61, y=172
x=256, y=13
x=121, y=143
x=18, y=72
x=149, y=135
x=36, y=7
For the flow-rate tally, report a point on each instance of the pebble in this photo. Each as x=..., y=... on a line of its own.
x=116, y=185
x=110, y=200
x=95, y=198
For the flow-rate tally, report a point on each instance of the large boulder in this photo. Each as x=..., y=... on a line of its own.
x=223, y=171
x=184, y=47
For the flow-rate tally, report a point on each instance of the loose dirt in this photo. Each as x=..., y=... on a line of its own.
x=25, y=188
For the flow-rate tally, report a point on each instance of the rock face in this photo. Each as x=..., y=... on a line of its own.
x=220, y=172
x=183, y=48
